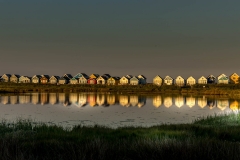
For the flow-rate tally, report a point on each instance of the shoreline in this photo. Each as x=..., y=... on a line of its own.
x=149, y=89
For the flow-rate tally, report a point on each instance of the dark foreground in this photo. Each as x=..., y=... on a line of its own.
x=210, y=138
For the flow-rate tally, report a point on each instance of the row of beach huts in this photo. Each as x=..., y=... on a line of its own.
x=82, y=78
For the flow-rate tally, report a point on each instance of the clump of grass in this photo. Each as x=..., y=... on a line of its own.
x=215, y=137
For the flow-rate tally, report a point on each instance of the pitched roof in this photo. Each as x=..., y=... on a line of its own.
x=129, y=76
x=115, y=78
x=179, y=77
x=18, y=76
x=69, y=76
x=62, y=78
x=8, y=75
x=234, y=74
x=102, y=77
x=56, y=77
x=222, y=77
x=38, y=76
x=202, y=77
x=157, y=76
x=106, y=75
x=168, y=78
x=80, y=75
x=191, y=77
x=211, y=76
x=134, y=77
x=47, y=76
x=142, y=76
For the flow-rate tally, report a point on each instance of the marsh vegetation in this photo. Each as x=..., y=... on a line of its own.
x=214, y=137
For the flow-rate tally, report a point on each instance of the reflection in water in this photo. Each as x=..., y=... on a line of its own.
x=211, y=103
x=202, y=102
x=111, y=99
x=124, y=100
x=101, y=100
x=234, y=105
x=82, y=100
x=73, y=98
x=179, y=101
x=157, y=101
x=13, y=99
x=92, y=99
x=5, y=100
x=61, y=97
x=141, y=101
x=133, y=100
x=35, y=98
x=190, y=101
x=168, y=102
x=24, y=99
x=44, y=98
x=222, y=104
x=53, y=98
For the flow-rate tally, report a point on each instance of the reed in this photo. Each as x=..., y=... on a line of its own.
x=213, y=137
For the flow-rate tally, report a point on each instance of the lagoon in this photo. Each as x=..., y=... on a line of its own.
x=112, y=110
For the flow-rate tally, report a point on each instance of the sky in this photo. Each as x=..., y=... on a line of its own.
x=120, y=37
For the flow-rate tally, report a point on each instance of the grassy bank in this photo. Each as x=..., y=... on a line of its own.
x=210, y=89
x=210, y=138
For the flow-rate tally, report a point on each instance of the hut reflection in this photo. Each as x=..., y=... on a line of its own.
x=44, y=98
x=67, y=101
x=53, y=98
x=61, y=97
x=111, y=99
x=124, y=100
x=141, y=101
x=73, y=98
x=82, y=100
x=5, y=100
x=211, y=103
x=157, y=101
x=234, y=105
x=133, y=100
x=101, y=100
x=22, y=99
x=168, y=101
x=92, y=100
x=222, y=104
x=13, y=99
x=35, y=98
x=202, y=102
x=190, y=101
x=179, y=101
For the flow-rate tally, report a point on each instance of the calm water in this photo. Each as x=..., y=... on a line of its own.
x=110, y=109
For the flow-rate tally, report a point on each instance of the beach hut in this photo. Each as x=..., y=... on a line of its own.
x=222, y=79
x=191, y=81
x=234, y=78
x=157, y=80
x=180, y=81
x=134, y=81
x=113, y=81
x=36, y=78
x=14, y=78
x=202, y=80
x=211, y=79
x=6, y=77
x=168, y=80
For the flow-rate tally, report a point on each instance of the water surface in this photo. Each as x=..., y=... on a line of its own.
x=112, y=110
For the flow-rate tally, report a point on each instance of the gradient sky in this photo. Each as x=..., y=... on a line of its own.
x=119, y=37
